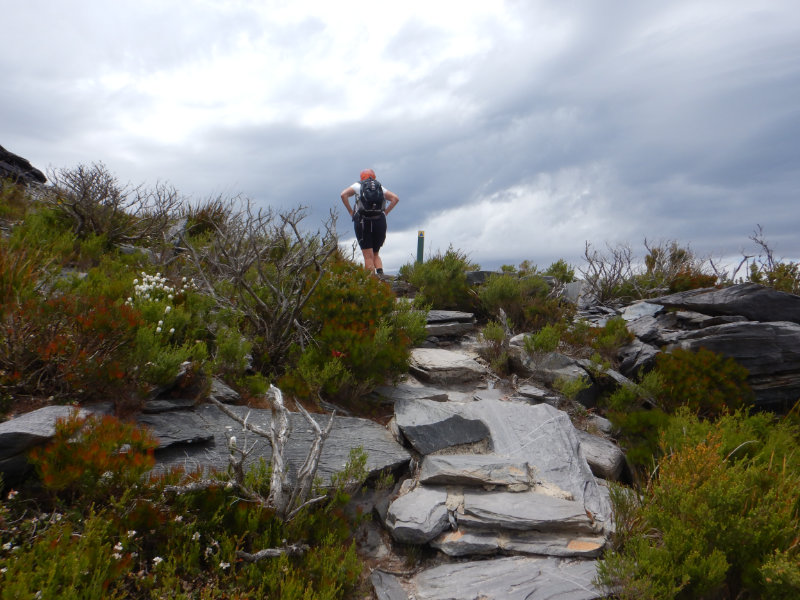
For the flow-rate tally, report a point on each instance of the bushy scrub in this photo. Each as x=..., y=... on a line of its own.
x=101, y=531
x=495, y=349
x=543, y=341
x=703, y=382
x=561, y=270
x=718, y=519
x=617, y=276
x=608, y=340
x=441, y=280
x=708, y=383
x=67, y=347
x=362, y=335
x=524, y=300
x=173, y=328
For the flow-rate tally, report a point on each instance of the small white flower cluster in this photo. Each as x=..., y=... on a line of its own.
x=155, y=287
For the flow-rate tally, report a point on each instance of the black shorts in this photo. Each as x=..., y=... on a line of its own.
x=370, y=233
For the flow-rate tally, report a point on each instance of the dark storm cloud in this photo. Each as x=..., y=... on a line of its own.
x=621, y=120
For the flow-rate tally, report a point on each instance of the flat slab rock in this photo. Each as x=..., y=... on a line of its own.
x=540, y=435
x=561, y=544
x=408, y=391
x=475, y=470
x=444, y=367
x=430, y=426
x=512, y=578
x=208, y=422
x=523, y=512
x=751, y=300
x=418, y=516
x=444, y=316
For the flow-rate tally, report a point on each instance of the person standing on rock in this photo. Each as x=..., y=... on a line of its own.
x=369, y=216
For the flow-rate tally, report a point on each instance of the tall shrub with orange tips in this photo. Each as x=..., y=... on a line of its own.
x=94, y=457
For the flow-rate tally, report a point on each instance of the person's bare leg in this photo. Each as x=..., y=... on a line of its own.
x=369, y=259
x=376, y=260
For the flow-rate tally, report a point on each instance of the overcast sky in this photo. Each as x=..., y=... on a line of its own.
x=512, y=130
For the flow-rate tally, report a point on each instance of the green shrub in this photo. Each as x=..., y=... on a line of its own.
x=561, y=270
x=708, y=383
x=610, y=338
x=362, y=335
x=92, y=458
x=493, y=334
x=441, y=280
x=717, y=520
x=67, y=347
x=782, y=276
x=543, y=341
x=155, y=541
x=704, y=383
x=521, y=298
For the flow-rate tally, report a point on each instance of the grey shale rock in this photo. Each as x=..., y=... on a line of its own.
x=476, y=470
x=22, y=433
x=751, y=300
x=444, y=316
x=523, y=512
x=176, y=427
x=475, y=542
x=546, y=439
x=407, y=391
x=418, y=516
x=444, y=367
x=770, y=351
x=605, y=458
x=636, y=358
x=430, y=426
x=453, y=329
x=387, y=586
x=641, y=309
x=222, y=392
x=383, y=452
x=512, y=578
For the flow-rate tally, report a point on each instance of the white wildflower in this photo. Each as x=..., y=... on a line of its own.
x=224, y=565
x=196, y=536
x=158, y=329
x=117, y=555
x=179, y=518
x=8, y=546
x=118, y=546
x=131, y=533
x=167, y=309
x=157, y=561
x=12, y=494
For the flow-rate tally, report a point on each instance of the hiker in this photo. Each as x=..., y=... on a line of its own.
x=369, y=216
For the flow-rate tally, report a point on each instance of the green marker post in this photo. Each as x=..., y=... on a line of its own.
x=420, y=245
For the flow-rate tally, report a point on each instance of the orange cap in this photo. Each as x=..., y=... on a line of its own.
x=367, y=174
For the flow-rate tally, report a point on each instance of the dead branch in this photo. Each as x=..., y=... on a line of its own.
x=290, y=550
x=260, y=265
x=286, y=499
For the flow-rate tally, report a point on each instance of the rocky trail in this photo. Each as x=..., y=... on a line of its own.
x=496, y=493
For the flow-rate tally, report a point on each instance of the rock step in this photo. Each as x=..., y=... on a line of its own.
x=426, y=512
x=445, y=367
x=511, y=578
x=539, y=435
x=473, y=543
x=476, y=470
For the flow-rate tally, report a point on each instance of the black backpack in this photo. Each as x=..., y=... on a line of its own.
x=371, y=201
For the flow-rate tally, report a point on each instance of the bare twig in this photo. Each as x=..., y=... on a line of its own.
x=290, y=550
